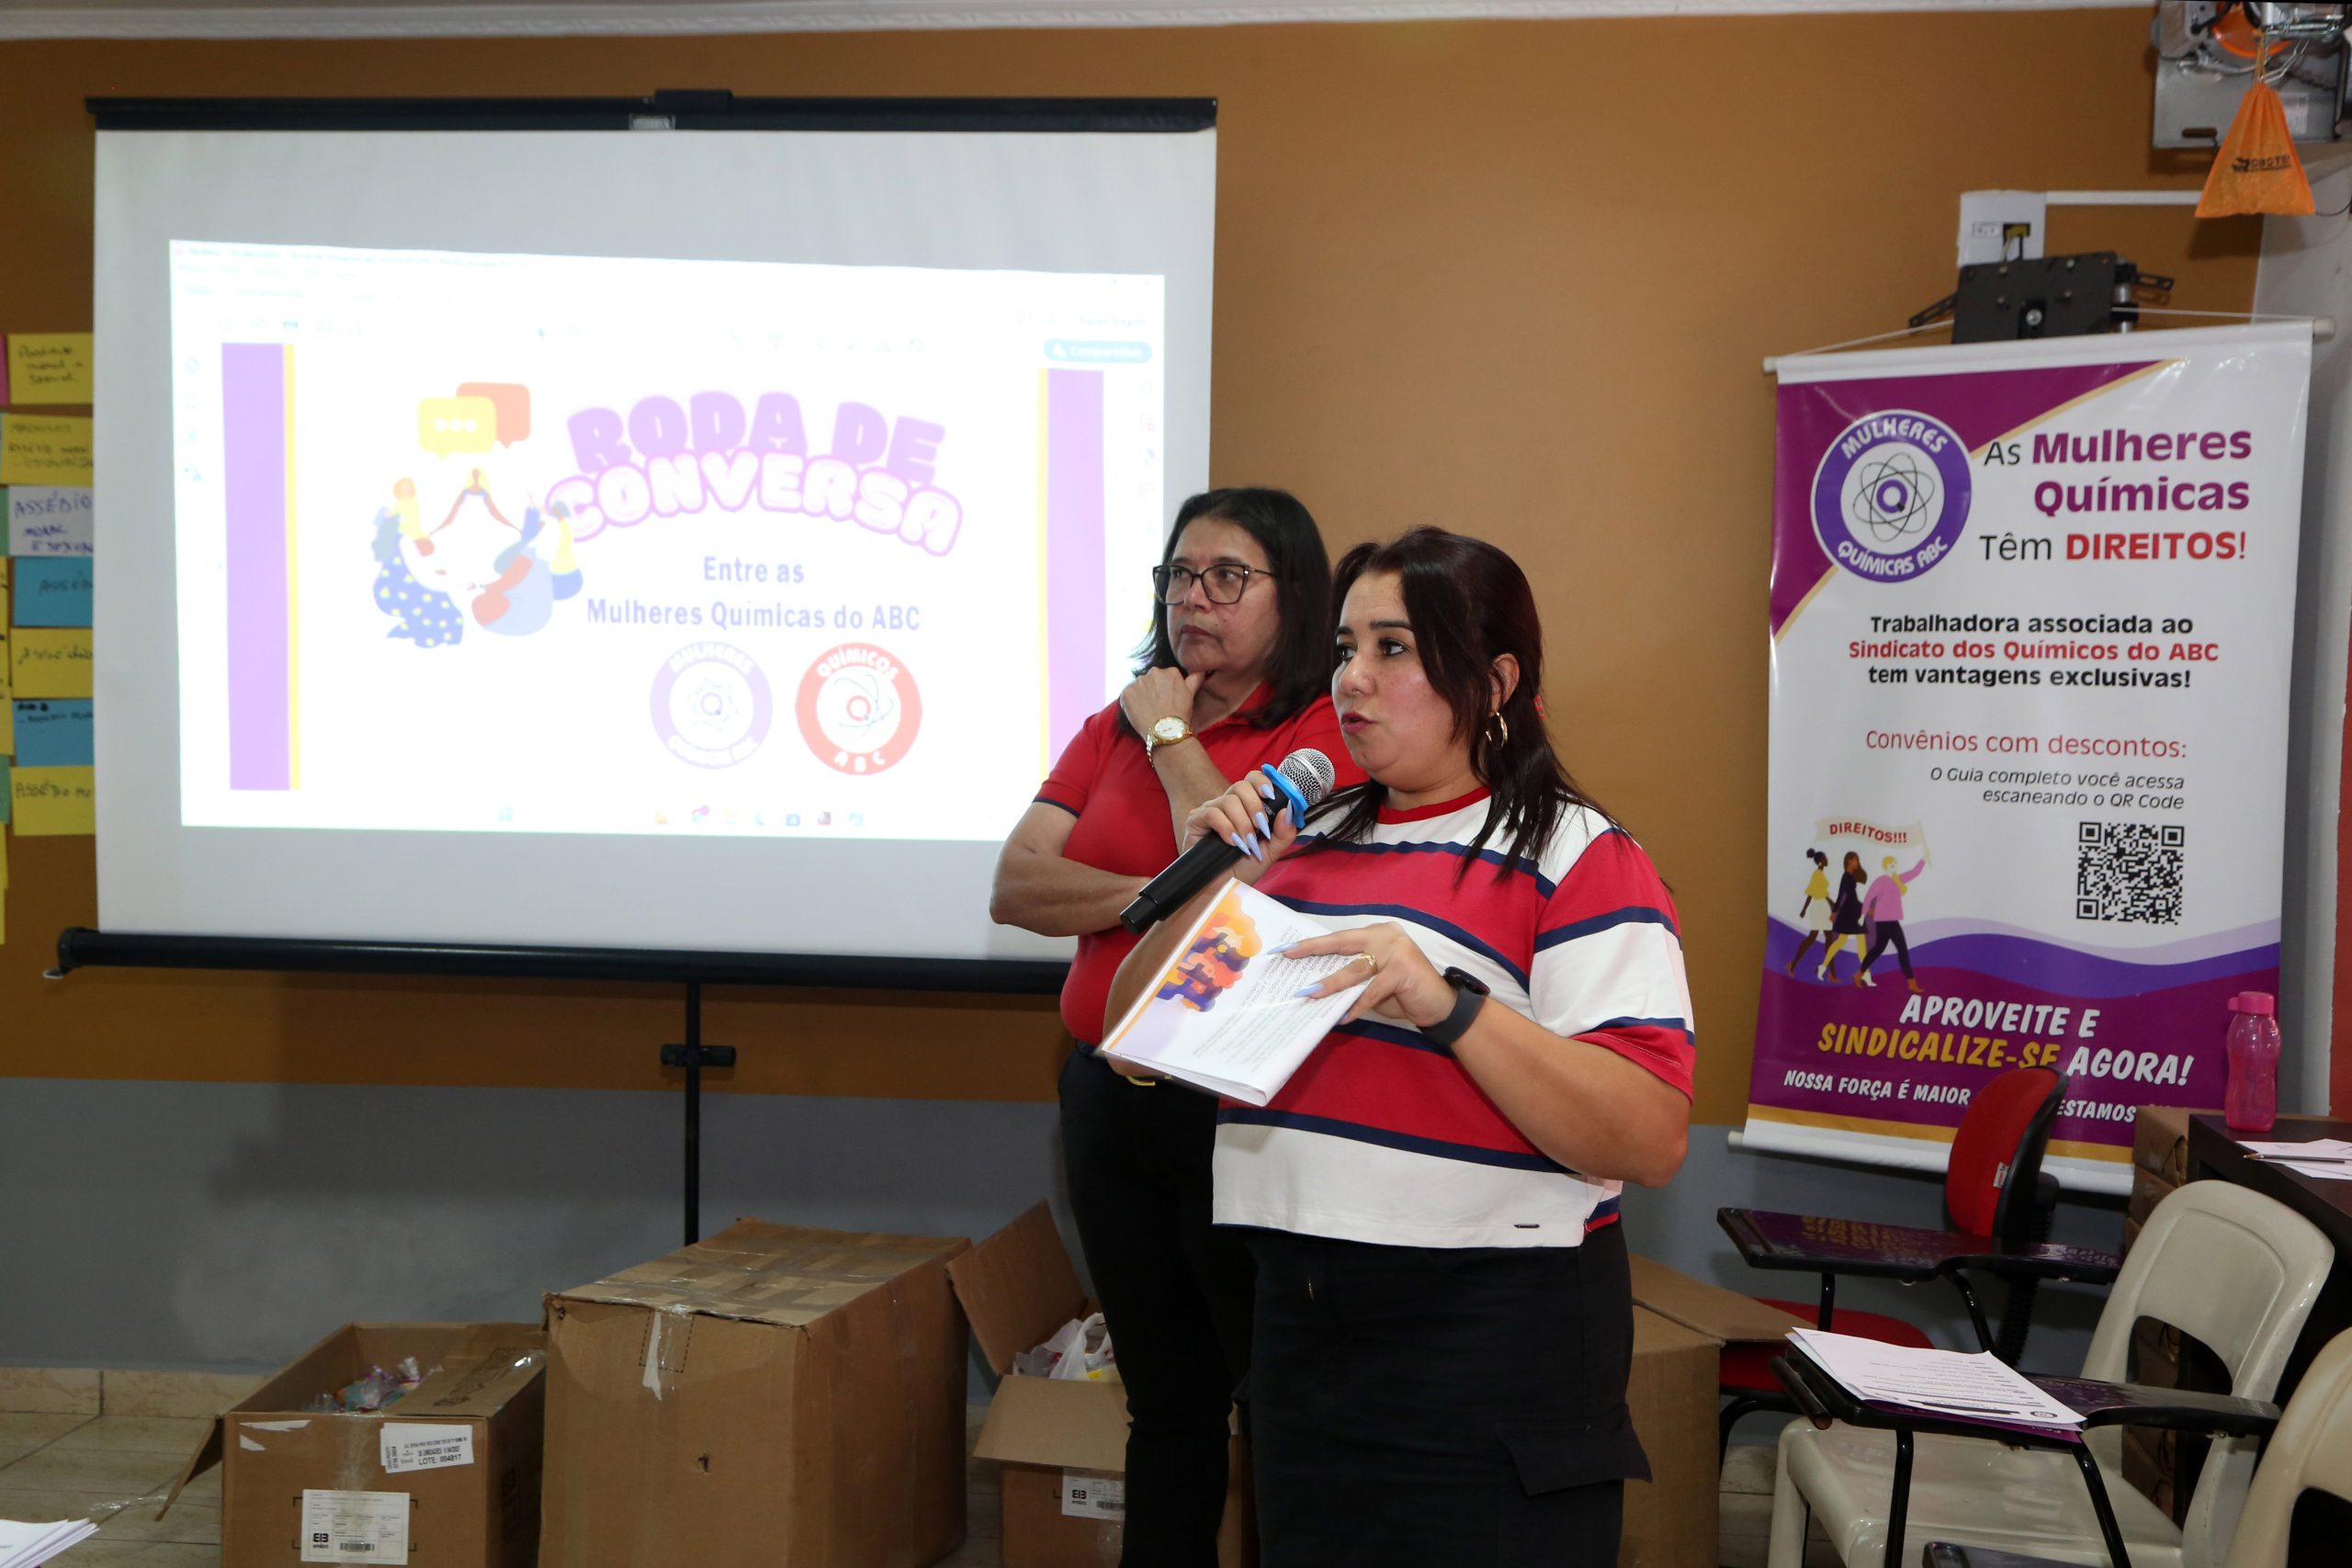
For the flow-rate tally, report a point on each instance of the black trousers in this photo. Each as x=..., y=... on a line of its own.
x=1889, y=931
x=1175, y=1293
x=1415, y=1405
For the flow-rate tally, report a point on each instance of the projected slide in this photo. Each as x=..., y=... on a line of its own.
x=521, y=544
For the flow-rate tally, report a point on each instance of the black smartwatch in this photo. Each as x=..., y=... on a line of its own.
x=1469, y=996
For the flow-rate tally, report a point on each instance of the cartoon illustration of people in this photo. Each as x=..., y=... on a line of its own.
x=565, y=567
x=1815, y=911
x=425, y=616
x=475, y=560
x=1845, y=918
x=520, y=599
x=1209, y=967
x=1883, y=907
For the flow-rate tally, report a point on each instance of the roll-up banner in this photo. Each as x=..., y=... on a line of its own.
x=2031, y=611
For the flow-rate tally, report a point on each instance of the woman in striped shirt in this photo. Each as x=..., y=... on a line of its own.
x=1443, y=1326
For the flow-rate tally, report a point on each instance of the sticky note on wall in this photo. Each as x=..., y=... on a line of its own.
x=49, y=368
x=54, y=732
x=50, y=661
x=54, y=802
x=45, y=449
x=51, y=519
x=53, y=592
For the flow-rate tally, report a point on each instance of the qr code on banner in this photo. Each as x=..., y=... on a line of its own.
x=2129, y=870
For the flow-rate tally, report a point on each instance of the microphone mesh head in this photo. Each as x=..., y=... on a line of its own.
x=1311, y=771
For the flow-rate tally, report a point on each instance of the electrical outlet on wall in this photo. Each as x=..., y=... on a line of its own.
x=2001, y=225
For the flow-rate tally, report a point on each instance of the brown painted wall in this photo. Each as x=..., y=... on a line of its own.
x=1513, y=278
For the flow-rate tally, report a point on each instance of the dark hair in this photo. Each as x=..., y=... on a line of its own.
x=1470, y=604
x=1816, y=857
x=1298, y=666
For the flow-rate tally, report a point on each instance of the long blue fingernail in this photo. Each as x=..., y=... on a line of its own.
x=1307, y=990
x=1278, y=952
x=1265, y=827
x=1249, y=846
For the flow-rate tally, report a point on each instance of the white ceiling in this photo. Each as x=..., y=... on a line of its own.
x=469, y=19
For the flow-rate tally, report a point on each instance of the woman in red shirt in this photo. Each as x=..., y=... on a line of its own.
x=1237, y=674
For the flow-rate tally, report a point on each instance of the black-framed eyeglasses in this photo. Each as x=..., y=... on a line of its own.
x=1224, y=584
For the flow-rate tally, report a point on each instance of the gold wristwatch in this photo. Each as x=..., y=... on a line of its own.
x=1165, y=732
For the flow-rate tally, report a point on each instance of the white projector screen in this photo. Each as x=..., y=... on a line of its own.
x=632, y=539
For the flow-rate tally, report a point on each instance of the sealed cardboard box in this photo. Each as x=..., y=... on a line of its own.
x=776, y=1396
x=1061, y=1446
x=1681, y=1326
x=445, y=1477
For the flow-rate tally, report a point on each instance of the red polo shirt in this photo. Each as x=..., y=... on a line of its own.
x=1126, y=825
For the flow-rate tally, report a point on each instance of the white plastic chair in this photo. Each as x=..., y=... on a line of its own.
x=2311, y=1450
x=2228, y=1267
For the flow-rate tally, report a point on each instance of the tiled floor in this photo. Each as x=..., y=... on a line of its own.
x=74, y=1461
x=115, y=1469
x=77, y=1464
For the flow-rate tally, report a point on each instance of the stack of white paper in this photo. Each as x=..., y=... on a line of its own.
x=27, y=1546
x=2330, y=1159
x=1979, y=1386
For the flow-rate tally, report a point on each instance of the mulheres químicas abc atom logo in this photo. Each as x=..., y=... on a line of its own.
x=1891, y=495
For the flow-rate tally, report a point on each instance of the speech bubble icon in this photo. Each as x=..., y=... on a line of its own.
x=513, y=403
x=456, y=425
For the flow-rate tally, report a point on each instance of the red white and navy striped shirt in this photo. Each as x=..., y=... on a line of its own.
x=1382, y=1136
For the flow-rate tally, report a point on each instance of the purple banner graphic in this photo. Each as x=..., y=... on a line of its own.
x=1075, y=592
x=254, y=418
x=2027, y=742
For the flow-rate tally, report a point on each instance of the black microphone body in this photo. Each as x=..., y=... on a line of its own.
x=1205, y=863
x=1304, y=778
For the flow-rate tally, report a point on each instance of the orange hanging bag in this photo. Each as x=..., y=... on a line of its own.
x=2258, y=169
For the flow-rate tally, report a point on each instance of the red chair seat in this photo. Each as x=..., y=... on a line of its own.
x=1748, y=1368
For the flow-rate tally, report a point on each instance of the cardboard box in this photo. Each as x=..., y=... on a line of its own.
x=1054, y=1437
x=2160, y=1143
x=776, y=1396
x=474, y=1425
x=1681, y=1326
x=2148, y=1190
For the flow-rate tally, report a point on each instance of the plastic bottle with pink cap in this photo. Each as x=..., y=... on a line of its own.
x=2252, y=1101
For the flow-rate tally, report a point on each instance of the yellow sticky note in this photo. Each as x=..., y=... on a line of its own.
x=4, y=863
x=7, y=730
x=49, y=368
x=50, y=661
x=4, y=572
x=53, y=802
x=45, y=449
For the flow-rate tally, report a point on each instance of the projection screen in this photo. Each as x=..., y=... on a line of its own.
x=655, y=538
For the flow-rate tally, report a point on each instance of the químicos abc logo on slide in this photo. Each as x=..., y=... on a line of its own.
x=1891, y=495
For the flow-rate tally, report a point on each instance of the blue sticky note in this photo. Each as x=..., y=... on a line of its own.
x=52, y=590
x=54, y=732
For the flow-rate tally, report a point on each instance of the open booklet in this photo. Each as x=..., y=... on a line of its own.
x=1226, y=1016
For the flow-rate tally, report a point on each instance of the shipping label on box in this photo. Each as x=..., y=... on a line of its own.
x=423, y=1444
x=354, y=1527
x=1091, y=1494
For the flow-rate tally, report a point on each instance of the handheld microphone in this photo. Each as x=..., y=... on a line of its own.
x=1304, y=778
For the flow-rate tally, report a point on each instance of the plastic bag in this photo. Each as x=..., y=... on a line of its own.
x=1079, y=1351
x=2258, y=169
x=379, y=1390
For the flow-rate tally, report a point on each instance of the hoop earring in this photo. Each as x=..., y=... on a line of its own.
x=1501, y=724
